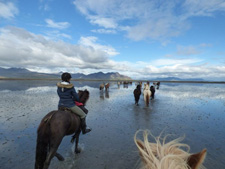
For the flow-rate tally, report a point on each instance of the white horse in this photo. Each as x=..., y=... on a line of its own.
x=147, y=94
x=162, y=155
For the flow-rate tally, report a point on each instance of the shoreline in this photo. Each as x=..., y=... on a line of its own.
x=114, y=80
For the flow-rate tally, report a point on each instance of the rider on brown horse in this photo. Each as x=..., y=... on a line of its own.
x=68, y=96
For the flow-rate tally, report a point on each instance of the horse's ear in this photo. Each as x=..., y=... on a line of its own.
x=140, y=144
x=195, y=160
x=142, y=149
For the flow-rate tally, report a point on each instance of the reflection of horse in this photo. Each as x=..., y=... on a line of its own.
x=118, y=84
x=53, y=127
x=147, y=94
x=137, y=93
x=162, y=155
x=106, y=86
x=106, y=94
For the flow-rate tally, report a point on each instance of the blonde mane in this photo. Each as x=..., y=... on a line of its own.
x=162, y=154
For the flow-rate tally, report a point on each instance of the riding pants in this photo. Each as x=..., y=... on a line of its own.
x=78, y=111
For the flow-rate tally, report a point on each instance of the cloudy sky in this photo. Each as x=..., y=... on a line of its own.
x=140, y=39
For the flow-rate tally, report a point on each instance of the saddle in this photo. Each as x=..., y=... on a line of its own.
x=67, y=109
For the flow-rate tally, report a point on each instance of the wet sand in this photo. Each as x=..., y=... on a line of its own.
x=194, y=110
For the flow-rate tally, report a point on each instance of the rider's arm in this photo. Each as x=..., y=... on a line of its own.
x=75, y=95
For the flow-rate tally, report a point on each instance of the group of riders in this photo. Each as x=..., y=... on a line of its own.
x=68, y=98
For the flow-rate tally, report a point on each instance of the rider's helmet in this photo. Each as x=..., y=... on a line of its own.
x=66, y=77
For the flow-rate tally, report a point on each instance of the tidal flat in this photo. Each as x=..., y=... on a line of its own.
x=196, y=111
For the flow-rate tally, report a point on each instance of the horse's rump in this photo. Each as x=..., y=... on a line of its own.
x=147, y=94
x=59, y=121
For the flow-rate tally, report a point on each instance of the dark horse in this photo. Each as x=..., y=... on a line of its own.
x=53, y=127
x=137, y=93
x=152, y=89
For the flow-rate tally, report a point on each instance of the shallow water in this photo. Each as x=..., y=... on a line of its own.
x=194, y=110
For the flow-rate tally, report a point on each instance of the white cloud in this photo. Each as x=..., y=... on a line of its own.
x=187, y=50
x=57, y=35
x=57, y=25
x=20, y=48
x=104, y=31
x=166, y=62
x=104, y=22
x=159, y=20
x=91, y=42
x=8, y=10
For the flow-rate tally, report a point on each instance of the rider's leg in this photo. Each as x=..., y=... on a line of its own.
x=79, y=112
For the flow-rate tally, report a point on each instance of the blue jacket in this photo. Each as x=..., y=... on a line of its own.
x=67, y=94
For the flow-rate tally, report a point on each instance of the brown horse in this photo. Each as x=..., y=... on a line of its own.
x=107, y=86
x=53, y=127
x=167, y=155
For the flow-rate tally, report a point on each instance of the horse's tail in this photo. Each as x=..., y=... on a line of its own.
x=43, y=140
x=147, y=99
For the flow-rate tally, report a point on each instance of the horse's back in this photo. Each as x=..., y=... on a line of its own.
x=137, y=92
x=64, y=122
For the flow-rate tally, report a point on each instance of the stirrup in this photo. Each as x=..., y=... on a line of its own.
x=87, y=130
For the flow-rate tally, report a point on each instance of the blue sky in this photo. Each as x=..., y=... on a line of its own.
x=140, y=39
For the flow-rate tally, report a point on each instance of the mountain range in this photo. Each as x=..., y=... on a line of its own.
x=26, y=74
x=21, y=73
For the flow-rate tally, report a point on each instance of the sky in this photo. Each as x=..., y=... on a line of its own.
x=142, y=39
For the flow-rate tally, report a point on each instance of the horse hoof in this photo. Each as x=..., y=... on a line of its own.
x=77, y=151
x=72, y=140
x=60, y=157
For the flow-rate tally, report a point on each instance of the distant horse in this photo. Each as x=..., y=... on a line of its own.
x=152, y=89
x=107, y=86
x=158, y=84
x=101, y=87
x=147, y=94
x=137, y=93
x=125, y=84
x=162, y=155
x=53, y=127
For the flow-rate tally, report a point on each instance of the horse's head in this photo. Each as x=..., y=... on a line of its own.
x=162, y=155
x=138, y=87
x=83, y=95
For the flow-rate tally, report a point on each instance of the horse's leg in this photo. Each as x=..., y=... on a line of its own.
x=59, y=156
x=54, y=144
x=77, y=150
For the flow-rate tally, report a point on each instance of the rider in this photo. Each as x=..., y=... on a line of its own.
x=67, y=97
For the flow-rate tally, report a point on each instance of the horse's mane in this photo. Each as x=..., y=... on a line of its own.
x=84, y=96
x=162, y=154
x=146, y=86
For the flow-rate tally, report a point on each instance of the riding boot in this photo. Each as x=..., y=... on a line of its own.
x=84, y=126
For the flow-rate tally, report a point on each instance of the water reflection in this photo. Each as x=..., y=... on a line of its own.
x=14, y=85
x=104, y=94
x=185, y=91
x=107, y=94
x=101, y=94
x=114, y=119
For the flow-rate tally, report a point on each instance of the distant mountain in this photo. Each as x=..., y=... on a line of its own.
x=26, y=74
x=111, y=76
x=178, y=79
